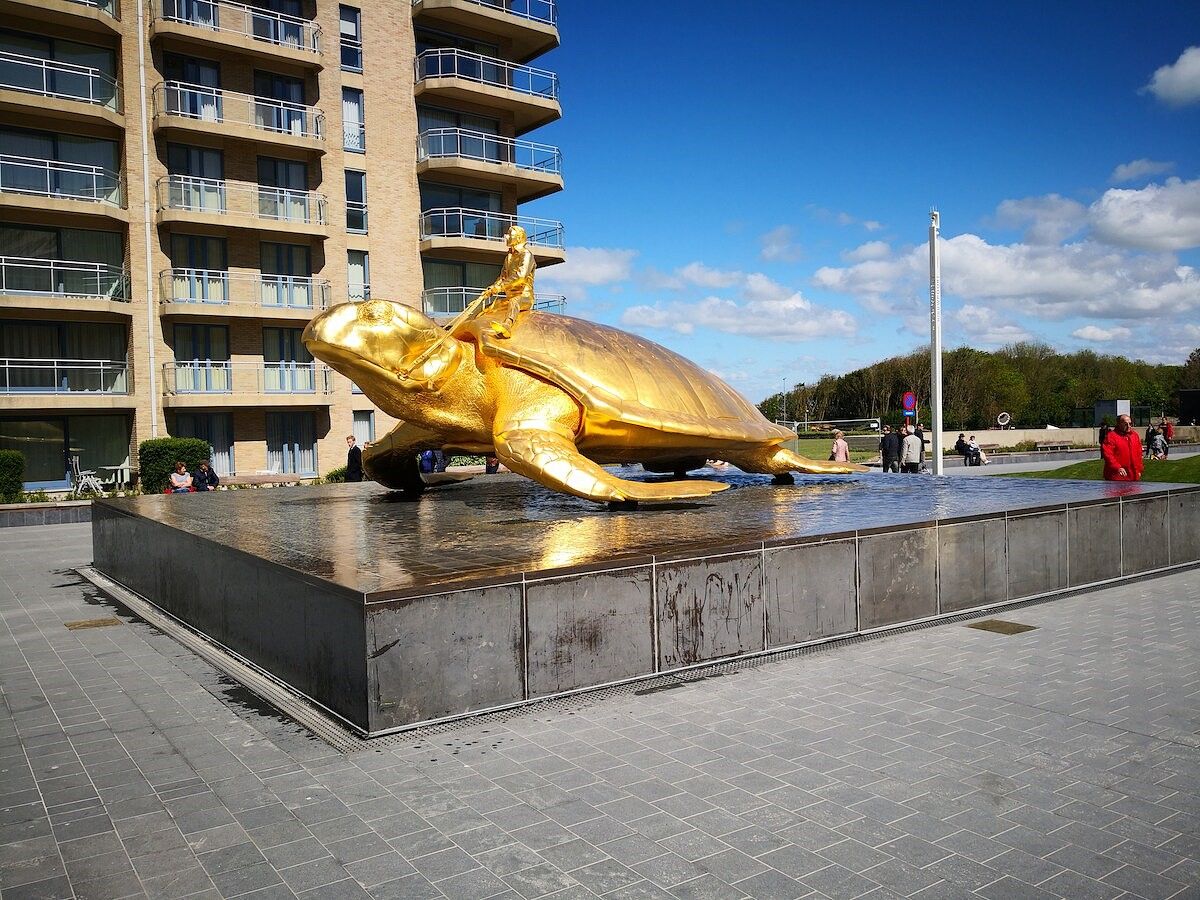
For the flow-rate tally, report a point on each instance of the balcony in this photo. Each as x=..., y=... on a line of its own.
x=354, y=137
x=210, y=292
x=58, y=89
x=478, y=235
x=224, y=25
x=184, y=198
x=195, y=108
x=529, y=26
x=202, y=382
x=29, y=384
x=50, y=185
x=99, y=16
x=444, y=302
x=477, y=158
x=531, y=95
x=55, y=285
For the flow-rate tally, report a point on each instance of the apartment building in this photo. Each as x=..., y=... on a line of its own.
x=184, y=183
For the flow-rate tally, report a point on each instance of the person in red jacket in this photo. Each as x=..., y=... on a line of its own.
x=1122, y=452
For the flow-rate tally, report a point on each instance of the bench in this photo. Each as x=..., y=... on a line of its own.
x=1053, y=445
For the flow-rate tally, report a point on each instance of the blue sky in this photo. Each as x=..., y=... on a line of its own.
x=749, y=183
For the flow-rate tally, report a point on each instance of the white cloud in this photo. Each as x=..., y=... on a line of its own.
x=1178, y=84
x=1156, y=217
x=1047, y=220
x=842, y=218
x=590, y=266
x=699, y=274
x=872, y=225
x=1139, y=169
x=869, y=250
x=1101, y=335
x=779, y=245
x=983, y=325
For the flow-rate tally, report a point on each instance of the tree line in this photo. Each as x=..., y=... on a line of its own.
x=1033, y=383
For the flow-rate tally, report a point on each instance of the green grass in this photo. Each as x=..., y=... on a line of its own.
x=1186, y=471
x=818, y=448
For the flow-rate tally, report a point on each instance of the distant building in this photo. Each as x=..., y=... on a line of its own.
x=1110, y=409
x=1189, y=407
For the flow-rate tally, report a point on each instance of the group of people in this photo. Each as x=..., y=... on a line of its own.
x=903, y=449
x=1158, y=440
x=185, y=482
x=970, y=450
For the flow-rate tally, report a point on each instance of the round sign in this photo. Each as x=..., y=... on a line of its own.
x=910, y=400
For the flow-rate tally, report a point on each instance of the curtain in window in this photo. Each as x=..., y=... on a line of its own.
x=364, y=426
x=217, y=429
x=358, y=275
x=22, y=177
x=291, y=443
x=352, y=119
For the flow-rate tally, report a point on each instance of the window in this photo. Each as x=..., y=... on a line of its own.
x=450, y=286
x=193, y=87
x=358, y=275
x=283, y=190
x=445, y=132
x=287, y=365
x=354, y=128
x=199, y=271
x=197, y=178
x=464, y=211
x=101, y=442
x=63, y=357
x=286, y=275
x=89, y=173
x=64, y=261
x=202, y=359
x=356, y=202
x=292, y=443
x=364, y=426
x=286, y=115
x=352, y=55
x=217, y=429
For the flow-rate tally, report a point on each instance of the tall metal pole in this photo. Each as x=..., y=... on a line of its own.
x=784, y=395
x=935, y=340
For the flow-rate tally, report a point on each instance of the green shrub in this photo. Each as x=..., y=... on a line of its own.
x=12, y=475
x=336, y=476
x=157, y=458
x=36, y=497
x=466, y=461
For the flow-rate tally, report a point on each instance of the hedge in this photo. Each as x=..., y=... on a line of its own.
x=157, y=458
x=336, y=476
x=12, y=475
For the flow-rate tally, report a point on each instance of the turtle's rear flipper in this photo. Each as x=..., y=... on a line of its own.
x=776, y=460
x=553, y=460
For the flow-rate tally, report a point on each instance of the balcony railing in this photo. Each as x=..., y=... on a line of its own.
x=53, y=178
x=442, y=143
x=60, y=278
x=534, y=10
x=220, y=198
x=236, y=18
x=108, y=6
x=214, y=287
x=205, y=104
x=354, y=137
x=63, y=376
x=453, y=63
x=488, y=226
x=219, y=377
x=51, y=78
x=450, y=301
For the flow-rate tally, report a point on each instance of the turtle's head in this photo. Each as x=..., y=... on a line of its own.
x=384, y=347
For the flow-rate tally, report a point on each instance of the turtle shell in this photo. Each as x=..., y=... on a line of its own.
x=625, y=378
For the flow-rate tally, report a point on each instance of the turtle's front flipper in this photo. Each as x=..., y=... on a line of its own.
x=775, y=460
x=553, y=460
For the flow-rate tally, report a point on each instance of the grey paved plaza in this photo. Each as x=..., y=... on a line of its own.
x=940, y=762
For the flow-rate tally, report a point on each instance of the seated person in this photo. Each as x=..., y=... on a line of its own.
x=181, y=481
x=1158, y=446
x=204, y=478
x=977, y=454
x=960, y=447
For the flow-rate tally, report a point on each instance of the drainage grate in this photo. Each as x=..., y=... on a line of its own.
x=1000, y=626
x=93, y=623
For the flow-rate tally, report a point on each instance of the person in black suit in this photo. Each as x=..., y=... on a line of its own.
x=204, y=478
x=354, y=470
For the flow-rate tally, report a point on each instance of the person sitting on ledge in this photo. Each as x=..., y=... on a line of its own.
x=204, y=478
x=181, y=481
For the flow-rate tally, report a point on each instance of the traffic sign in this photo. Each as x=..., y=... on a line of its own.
x=910, y=401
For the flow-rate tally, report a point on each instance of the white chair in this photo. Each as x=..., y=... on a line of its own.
x=84, y=481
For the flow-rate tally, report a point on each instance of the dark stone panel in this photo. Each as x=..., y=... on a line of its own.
x=436, y=656
x=1185, y=527
x=589, y=629
x=972, y=568
x=1094, y=534
x=1144, y=538
x=810, y=591
x=1037, y=554
x=709, y=608
x=896, y=577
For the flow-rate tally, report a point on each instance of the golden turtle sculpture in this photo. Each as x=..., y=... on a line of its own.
x=555, y=401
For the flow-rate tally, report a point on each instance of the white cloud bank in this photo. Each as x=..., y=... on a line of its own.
x=1139, y=169
x=590, y=266
x=1156, y=217
x=1178, y=84
x=1099, y=335
x=779, y=245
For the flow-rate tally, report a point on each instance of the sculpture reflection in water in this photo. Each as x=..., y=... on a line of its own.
x=554, y=397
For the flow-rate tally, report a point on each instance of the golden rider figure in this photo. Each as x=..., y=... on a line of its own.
x=515, y=284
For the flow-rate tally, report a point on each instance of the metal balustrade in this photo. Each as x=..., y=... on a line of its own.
x=63, y=376
x=484, y=225
x=62, y=278
x=236, y=18
x=450, y=301
x=107, y=6
x=222, y=198
x=51, y=78
x=54, y=178
x=217, y=287
x=442, y=143
x=449, y=62
x=354, y=137
x=224, y=377
x=205, y=104
x=535, y=10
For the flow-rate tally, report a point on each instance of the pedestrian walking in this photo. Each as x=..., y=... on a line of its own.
x=354, y=469
x=1123, y=453
x=890, y=447
x=910, y=455
x=840, y=451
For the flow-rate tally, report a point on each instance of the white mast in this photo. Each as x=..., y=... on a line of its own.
x=935, y=340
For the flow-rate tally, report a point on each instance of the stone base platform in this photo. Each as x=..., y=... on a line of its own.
x=489, y=593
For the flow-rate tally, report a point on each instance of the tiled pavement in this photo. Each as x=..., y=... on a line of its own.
x=942, y=762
